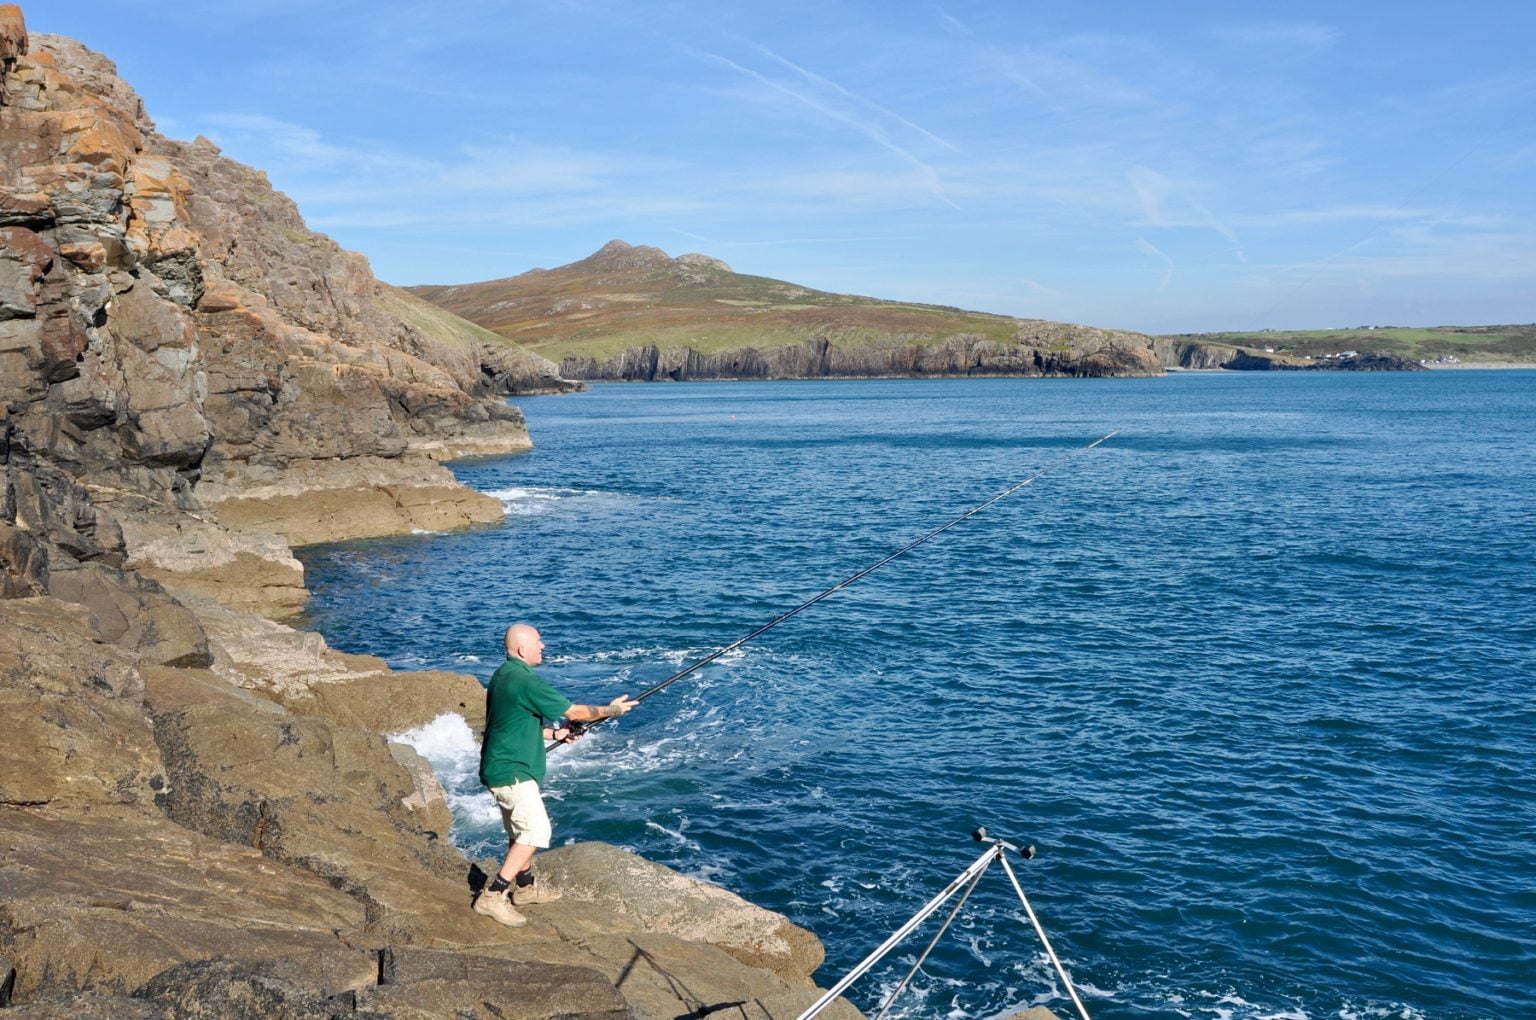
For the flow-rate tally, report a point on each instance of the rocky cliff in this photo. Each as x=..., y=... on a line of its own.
x=199, y=812
x=176, y=343
x=631, y=312
x=1038, y=349
x=1199, y=356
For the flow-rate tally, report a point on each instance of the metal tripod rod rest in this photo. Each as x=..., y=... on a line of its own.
x=1028, y=852
x=976, y=868
x=994, y=851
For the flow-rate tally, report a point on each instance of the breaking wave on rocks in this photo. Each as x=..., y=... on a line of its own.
x=450, y=745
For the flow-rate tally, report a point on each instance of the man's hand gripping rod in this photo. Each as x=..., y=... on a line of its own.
x=581, y=728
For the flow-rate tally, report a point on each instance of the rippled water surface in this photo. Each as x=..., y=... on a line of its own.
x=1254, y=675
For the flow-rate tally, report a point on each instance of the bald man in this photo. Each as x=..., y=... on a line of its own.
x=521, y=712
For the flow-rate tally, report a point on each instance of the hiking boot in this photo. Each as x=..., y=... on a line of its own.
x=537, y=892
x=497, y=907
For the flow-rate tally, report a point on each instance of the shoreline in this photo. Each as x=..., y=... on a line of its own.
x=1482, y=366
x=1167, y=371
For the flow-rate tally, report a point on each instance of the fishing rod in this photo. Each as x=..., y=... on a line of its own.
x=845, y=582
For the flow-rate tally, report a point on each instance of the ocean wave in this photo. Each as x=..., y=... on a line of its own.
x=606, y=752
x=532, y=500
x=449, y=744
x=641, y=654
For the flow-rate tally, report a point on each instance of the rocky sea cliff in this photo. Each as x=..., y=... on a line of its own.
x=200, y=811
x=632, y=313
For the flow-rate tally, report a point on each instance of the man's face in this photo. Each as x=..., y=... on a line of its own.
x=534, y=653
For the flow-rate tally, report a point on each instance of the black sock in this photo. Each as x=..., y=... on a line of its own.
x=498, y=884
x=525, y=878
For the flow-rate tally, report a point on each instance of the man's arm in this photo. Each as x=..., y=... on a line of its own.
x=592, y=713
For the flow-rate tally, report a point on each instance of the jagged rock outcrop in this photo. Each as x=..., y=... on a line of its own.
x=173, y=337
x=200, y=812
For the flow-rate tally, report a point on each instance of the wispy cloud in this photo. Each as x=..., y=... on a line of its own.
x=873, y=131
x=1065, y=82
x=1284, y=34
x=1155, y=191
x=370, y=184
x=298, y=143
x=1148, y=248
x=1152, y=190
x=776, y=241
x=1424, y=253
x=814, y=78
x=1285, y=218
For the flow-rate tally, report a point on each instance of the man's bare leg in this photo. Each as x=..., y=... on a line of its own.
x=519, y=858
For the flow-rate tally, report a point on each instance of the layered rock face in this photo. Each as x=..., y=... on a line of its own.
x=1038, y=349
x=171, y=330
x=199, y=812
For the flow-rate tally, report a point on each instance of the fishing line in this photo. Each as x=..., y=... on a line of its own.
x=850, y=579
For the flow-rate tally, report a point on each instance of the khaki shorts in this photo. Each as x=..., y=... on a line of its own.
x=523, y=814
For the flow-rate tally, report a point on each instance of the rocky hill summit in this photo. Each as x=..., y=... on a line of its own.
x=200, y=814
x=629, y=312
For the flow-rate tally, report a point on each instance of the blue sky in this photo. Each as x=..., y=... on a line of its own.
x=1161, y=167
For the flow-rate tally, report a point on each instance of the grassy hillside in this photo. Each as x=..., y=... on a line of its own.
x=626, y=296
x=1471, y=344
x=436, y=322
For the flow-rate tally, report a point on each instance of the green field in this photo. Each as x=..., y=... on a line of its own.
x=1467, y=344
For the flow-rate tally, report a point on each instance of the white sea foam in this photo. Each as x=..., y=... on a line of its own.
x=675, y=656
x=674, y=834
x=531, y=500
x=607, y=752
x=974, y=945
x=1393, y=1012
x=450, y=745
x=714, y=874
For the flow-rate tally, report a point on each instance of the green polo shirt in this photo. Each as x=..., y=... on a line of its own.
x=518, y=702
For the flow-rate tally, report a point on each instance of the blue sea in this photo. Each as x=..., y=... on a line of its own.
x=1254, y=676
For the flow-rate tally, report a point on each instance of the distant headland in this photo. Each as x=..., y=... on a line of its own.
x=1363, y=348
x=634, y=313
